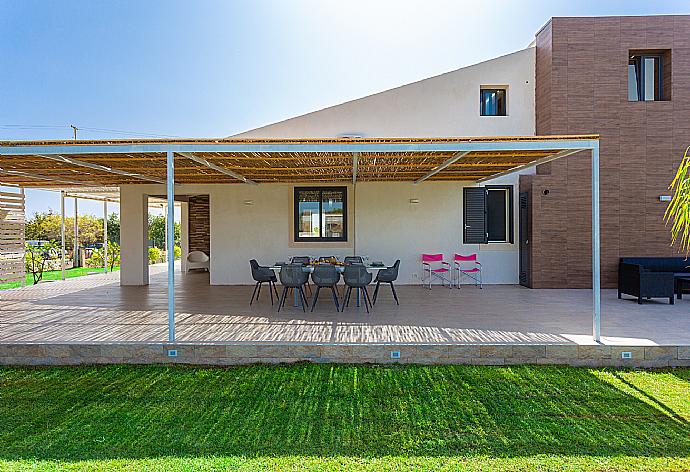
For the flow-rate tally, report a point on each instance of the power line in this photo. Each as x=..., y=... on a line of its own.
x=33, y=126
x=133, y=133
x=88, y=129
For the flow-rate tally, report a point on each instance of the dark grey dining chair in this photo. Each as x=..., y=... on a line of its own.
x=262, y=275
x=293, y=276
x=325, y=276
x=356, y=276
x=305, y=261
x=387, y=276
x=353, y=260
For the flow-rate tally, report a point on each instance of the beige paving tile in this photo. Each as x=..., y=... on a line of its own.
x=96, y=309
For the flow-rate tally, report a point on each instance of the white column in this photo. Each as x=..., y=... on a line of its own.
x=596, y=248
x=170, y=181
x=105, y=236
x=62, y=233
x=75, y=255
x=134, y=226
x=184, y=235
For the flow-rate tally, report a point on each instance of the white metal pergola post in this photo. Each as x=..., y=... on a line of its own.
x=23, y=282
x=170, y=184
x=596, y=247
x=105, y=236
x=75, y=256
x=165, y=221
x=62, y=234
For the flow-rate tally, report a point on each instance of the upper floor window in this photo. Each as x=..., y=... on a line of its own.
x=492, y=101
x=648, y=76
x=320, y=214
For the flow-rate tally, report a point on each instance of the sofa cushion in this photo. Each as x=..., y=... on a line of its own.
x=660, y=264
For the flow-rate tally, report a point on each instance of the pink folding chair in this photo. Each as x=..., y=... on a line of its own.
x=468, y=266
x=433, y=266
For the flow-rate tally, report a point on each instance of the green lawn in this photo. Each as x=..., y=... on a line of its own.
x=55, y=275
x=327, y=417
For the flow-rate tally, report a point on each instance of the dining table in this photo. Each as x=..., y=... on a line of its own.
x=371, y=266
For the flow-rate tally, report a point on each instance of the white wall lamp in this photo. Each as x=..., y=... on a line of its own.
x=414, y=201
x=248, y=202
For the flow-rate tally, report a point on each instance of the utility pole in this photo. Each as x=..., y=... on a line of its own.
x=75, y=131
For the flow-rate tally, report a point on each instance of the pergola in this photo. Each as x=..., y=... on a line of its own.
x=89, y=164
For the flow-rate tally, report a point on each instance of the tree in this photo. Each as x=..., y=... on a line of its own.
x=42, y=226
x=46, y=227
x=114, y=228
x=678, y=210
x=36, y=258
x=157, y=231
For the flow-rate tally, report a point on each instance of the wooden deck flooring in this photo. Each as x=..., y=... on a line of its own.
x=96, y=309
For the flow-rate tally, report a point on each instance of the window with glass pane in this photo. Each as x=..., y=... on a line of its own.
x=492, y=102
x=320, y=214
x=644, y=78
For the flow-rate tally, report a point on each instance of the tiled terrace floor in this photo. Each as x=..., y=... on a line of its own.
x=96, y=309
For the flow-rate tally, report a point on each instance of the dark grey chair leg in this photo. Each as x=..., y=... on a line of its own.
x=281, y=302
x=395, y=295
x=270, y=291
x=346, y=298
x=275, y=289
x=335, y=298
x=315, y=297
x=253, y=293
x=376, y=291
x=259, y=292
x=366, y=299
x=303, y=299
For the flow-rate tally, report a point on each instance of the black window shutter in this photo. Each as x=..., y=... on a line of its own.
x=474, y=215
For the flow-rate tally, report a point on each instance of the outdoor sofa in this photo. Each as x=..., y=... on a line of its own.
x=651, y=277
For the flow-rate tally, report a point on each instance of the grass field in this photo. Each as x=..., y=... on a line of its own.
x=327, y=417
x=55, y=275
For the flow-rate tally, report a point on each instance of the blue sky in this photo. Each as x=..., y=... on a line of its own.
x=215, y=68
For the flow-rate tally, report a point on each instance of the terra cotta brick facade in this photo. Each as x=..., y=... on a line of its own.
x=582, y=87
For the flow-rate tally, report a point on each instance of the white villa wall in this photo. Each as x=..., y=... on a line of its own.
x=384, y=224
x=445, y=105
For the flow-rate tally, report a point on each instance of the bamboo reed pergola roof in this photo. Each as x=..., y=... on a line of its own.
x=111, y=163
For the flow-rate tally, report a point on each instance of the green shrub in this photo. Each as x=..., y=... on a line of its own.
x=155, y=255
x=96, y=259
x=177, y=252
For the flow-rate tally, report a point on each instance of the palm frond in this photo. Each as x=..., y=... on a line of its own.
x=678, y=210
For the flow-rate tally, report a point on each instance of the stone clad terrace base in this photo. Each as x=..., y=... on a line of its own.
x=239, y=354
x=94, y=320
